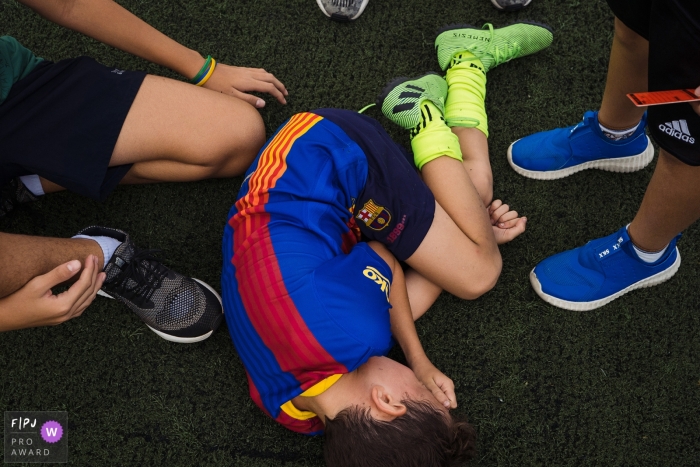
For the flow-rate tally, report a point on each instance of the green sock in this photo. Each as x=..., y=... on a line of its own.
x=432, y=138
x=466, y=82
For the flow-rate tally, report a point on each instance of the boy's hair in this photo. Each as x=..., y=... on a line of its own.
x=422, y=437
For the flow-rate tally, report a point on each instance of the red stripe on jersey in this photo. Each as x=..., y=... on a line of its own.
x=262, y=286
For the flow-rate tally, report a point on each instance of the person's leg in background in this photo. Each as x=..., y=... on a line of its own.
x=644, y=253
x=612, y=138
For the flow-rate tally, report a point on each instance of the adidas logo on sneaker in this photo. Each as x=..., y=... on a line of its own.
x=678, y=129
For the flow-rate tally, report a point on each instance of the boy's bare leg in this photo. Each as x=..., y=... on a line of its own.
x=176, y=132
x=671, y=203
x=475, y=154
x=462, y=195
x=627, y=72
x=25, y=257
x=459, y=253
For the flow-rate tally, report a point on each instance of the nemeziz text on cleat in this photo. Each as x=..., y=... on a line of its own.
x=400, y=100
x=177, y=308
x=491, y=46
x=558, y=153
x=597, y=273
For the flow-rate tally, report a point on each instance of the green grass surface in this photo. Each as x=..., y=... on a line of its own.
x=619, y=386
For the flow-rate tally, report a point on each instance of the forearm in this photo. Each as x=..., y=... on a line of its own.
x=24, y=257
x=108, y=22
x=455, y=193
x=402, y=325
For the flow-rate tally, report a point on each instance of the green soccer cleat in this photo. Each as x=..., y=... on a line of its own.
x=400, y=100
x=491, y=46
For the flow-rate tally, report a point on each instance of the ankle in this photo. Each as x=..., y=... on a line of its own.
x=618, y=124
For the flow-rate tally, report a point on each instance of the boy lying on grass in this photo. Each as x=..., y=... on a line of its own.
x=312, y=282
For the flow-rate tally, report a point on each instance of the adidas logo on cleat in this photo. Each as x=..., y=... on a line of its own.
x=408, y=95
x=678, y=129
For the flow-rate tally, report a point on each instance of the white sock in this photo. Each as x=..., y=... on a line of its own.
x=33, y=184
x=108, y=244
x=617, y=135
x=649, y=256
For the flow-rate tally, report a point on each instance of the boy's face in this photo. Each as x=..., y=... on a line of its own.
x=398, y=381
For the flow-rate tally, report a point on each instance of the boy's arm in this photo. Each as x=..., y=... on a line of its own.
x=108, y=22
x=404, y=331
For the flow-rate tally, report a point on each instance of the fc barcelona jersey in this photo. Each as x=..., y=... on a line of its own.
x=306, y=300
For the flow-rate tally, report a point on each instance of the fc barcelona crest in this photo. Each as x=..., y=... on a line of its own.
x=374, y=216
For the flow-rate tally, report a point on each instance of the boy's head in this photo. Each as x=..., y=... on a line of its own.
x=423, y=437
x=393, y=420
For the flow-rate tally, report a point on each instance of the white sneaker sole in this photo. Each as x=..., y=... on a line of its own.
x=650, y=281
x=179, y=340
x=620, y=164
x=495, y=3
x=360, y=11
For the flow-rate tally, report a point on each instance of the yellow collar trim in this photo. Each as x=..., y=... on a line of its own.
x=315, y=390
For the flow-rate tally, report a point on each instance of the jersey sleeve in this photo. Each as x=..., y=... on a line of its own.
x=354, y=290
x=16, y=61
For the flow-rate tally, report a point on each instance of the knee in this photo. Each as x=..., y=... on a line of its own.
x=481, y=281
x=627, y=37
x=242, y=136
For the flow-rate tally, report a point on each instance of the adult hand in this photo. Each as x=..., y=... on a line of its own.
x=237, y=81
x=696, y=105
x=436, y=382
x=35, y=304
x=506, y=223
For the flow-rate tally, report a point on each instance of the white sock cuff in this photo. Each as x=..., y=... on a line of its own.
x=33, y=184
x=108, y=244
x=649, y=256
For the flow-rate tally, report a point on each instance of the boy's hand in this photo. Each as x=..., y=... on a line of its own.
x=506, y=223
x=238, y=81
x=440, y=385
x=696, y=105
x=36, y=305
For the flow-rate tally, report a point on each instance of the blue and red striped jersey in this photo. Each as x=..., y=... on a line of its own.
x=304, y=301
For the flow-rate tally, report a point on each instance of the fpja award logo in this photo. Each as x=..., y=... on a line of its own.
x=36, y=437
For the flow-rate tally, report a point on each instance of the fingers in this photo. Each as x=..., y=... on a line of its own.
x=273, y=87
x=89, y=295
x=439, y=394
x=443, y=389
x=513, y=228
x=507, y=217
x=56, y=276
x=501, y=213
x=255, y=101
x=83, y=291
x=696, y=105
x=237, y=81
x=448, y=388
x=495, y=204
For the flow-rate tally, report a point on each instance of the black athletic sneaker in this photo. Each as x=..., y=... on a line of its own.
x=177, y=308
x=12, y=194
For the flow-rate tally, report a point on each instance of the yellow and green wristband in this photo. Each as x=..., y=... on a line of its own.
x=205, y=73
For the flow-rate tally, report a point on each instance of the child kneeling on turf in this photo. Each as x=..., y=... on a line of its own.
x=312, y=282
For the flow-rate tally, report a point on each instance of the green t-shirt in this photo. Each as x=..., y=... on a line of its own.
x=16, y=62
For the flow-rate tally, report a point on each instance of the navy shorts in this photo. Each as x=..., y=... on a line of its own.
x=62, y=121
x=395, y=207
x=672, y=28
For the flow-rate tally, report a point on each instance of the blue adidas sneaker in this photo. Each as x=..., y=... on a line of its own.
x=558, y=153
x=597, y=273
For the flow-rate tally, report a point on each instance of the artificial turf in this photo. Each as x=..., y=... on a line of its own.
x=619, y=386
